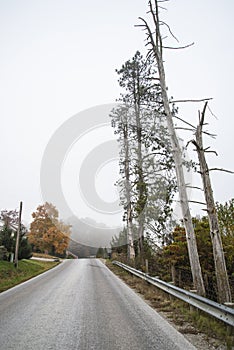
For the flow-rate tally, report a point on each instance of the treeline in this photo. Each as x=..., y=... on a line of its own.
x=47, y=234
x=152, y=168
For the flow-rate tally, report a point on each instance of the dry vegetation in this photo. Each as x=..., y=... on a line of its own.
x=202, y=331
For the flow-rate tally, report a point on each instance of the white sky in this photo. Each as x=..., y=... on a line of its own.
x=58, y=57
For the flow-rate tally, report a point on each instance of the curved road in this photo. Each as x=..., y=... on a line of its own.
x=82, y=305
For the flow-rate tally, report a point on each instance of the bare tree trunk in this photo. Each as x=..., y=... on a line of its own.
x=131, y=251
x=157, y=48
x=187, y=218
x=224, y=292
x=141, y=222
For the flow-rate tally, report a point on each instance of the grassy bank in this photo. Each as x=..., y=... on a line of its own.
x=10, y=276
x=188, y=321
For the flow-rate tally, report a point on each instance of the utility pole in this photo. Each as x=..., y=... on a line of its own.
x=18, y=236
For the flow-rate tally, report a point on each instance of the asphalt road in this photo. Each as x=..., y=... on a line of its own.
x=81, y=305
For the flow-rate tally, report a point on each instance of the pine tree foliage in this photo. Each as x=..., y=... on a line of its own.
x=139, y=123
x=9, y=219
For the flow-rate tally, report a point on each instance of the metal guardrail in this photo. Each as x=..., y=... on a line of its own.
x=219, y=311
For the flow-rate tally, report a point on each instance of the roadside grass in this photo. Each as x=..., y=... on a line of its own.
x=187, y=320
x=11, y=276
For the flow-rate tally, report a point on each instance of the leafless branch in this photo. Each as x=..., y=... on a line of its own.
x=207, y=151
x=195, y=187
x=163, y=8
x=221, y=169
x=212, y=112
x=170, y=31
x=191, y=202
x=196, y=100
x=212, y=152
x=193, y=127
x=178, y=48
x=197, y=202
x=194, y=143
x=146, y=26
x=209, y=134
x=180, y=128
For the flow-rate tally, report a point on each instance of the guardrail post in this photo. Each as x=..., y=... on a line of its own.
x=171, y=296
x=230, y=329
x=147, y=266
x=191, y=307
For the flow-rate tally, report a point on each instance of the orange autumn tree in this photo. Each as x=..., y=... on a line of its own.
x=47, y=233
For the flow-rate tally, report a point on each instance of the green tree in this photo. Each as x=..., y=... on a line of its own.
x=25, y=248
x=7, y=239
x=226, y=223
x=9, y=219
x=145, y=150
x=226, y=217
x=175, y=254
x=202, y=231
x=100, y=253
x=119, y=243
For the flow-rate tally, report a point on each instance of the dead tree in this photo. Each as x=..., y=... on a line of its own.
x=154, y=40
x=224, y=293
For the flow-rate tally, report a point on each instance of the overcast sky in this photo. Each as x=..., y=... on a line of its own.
x=58, y=58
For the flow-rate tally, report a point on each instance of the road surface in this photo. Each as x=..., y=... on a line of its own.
x=80, y=304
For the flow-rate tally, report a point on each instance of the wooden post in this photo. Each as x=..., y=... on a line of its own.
x=230, y=329
x=18, y=236
x=147, y=266
x=173, y=273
